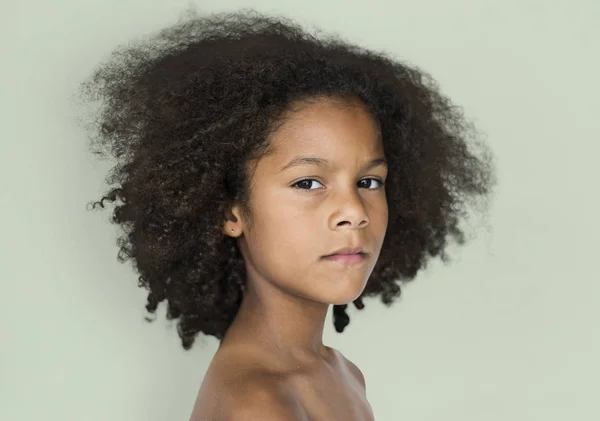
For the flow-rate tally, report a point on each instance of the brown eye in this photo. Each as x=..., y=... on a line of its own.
x=302, y=184
x=381, y=183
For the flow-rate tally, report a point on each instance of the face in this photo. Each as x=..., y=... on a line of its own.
x=305, y=209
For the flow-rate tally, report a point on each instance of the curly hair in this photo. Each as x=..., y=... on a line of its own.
x=186, y=110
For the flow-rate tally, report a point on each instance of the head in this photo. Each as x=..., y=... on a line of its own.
x=249, y=149
x=319, y=190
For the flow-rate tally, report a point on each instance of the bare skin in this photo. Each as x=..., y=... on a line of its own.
x=332, y=389
x=272, y=360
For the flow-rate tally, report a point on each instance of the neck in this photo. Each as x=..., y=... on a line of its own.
x=288, y=327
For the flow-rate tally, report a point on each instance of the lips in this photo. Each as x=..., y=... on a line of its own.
x=347, y=259
x=348, y=255
x=347, y=251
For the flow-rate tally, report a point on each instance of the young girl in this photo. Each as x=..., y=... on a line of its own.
x=266, y=174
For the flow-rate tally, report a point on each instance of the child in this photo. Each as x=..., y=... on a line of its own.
x=266, y=174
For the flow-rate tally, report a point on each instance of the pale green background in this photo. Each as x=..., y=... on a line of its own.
x=509, y=331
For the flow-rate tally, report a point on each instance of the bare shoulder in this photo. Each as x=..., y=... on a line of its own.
x=353, y=368
x=236, y=389
x=265, y=401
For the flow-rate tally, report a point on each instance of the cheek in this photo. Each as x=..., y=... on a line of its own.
x=284, y=241
x=378, y=212
x=384, y=221
x=292, y=236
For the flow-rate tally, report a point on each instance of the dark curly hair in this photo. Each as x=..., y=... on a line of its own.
x=185, y=111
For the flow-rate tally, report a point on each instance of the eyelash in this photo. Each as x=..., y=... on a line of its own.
x=381, y=183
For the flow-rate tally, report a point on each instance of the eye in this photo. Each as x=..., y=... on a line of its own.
x=307, y=181
x=381, y=182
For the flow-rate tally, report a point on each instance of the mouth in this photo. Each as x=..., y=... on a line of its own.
x=347, y=259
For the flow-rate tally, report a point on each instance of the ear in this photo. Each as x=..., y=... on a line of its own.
x=233, y=225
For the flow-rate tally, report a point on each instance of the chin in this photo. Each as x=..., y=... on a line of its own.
x=346, y=294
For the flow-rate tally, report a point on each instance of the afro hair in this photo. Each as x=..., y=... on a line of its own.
x=185, y=110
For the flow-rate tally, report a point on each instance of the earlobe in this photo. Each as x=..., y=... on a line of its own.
x=232, y=222
x=230, y=230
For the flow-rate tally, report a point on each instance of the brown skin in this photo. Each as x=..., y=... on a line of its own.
x=274, y=346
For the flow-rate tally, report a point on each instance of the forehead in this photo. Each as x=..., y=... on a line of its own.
x=330, y=129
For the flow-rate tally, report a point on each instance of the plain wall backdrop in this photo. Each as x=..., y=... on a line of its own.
x=508, y=330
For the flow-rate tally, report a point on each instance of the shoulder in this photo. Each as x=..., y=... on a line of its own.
x=265, y=401
x=238, y=390
x=353, y=368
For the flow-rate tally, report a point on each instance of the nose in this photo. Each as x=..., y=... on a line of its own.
x=349, y=210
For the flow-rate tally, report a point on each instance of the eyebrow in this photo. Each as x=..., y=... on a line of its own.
x=321, y=162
